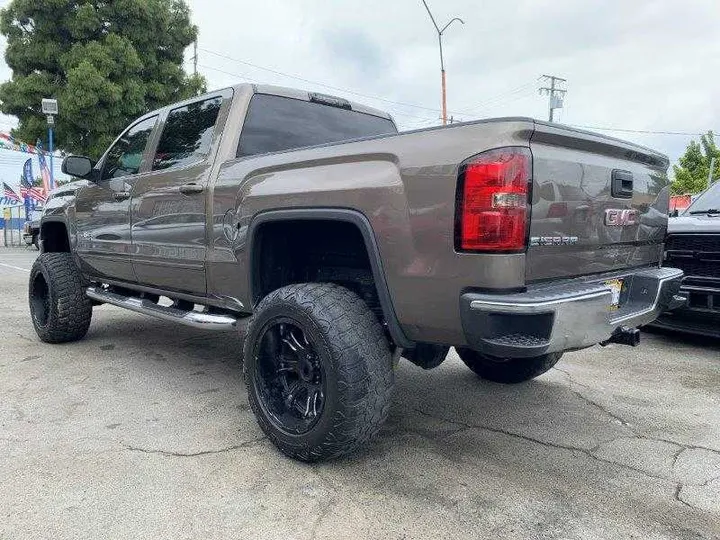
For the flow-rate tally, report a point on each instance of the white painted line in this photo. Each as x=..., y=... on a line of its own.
x=14, y=267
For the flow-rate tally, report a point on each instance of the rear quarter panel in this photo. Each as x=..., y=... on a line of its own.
x=404, y=185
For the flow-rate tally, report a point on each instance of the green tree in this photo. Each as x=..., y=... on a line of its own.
x=106, y=62
x=691, y=175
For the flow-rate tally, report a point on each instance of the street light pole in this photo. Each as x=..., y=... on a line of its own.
x=50, y=108
x=51, y=149
x=442, y=61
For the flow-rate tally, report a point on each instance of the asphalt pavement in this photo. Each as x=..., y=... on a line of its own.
x=142, y=430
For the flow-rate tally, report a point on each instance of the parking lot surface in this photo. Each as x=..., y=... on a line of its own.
x=142, y=430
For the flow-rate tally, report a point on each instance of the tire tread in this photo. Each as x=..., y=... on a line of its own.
x=507, y=371
x=71, y=309
x=362, y=359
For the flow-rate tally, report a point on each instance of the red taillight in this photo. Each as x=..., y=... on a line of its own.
x=492, y=201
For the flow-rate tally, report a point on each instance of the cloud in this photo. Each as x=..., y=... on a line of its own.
x=353, y=51
x=640, y=64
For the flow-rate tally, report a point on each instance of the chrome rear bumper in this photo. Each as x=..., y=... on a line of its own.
x=565, y=316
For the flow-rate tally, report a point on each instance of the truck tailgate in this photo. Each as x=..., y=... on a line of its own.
x=598, y=204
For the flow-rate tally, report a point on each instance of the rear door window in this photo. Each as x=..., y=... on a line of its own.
x=187, y=135
x=275, y=123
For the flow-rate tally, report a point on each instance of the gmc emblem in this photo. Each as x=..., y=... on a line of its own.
x=614, y=217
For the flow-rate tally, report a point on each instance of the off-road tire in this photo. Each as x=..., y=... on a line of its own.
x=356, y=360
x=507, y=370
x=59, y=307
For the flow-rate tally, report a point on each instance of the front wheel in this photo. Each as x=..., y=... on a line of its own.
x=318, y=370
x=507, y=370
x=60, y=309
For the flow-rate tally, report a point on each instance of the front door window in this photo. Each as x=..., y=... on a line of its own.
x=125, y=156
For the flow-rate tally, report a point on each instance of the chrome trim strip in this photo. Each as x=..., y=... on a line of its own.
x=479, y=304
x=695, y=288
x=195, y=319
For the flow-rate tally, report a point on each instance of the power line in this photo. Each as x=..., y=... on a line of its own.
x=303, y=79
x=356, y=93
x=245, y=77
x=647, y=131
x=498, y=97
x=424, y=119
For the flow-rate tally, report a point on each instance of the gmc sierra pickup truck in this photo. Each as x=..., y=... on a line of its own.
x=337, y=245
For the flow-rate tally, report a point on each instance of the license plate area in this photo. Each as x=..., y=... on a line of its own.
x=616, y=287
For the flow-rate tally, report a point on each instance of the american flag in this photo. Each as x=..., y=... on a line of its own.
x=28, y=191
x=44, y=170
x=26, y=185
x=9, y=194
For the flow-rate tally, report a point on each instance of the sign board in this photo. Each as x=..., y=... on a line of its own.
x=50, y=119
x=49, y=106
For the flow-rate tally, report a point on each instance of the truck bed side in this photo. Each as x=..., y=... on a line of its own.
x=404, y=185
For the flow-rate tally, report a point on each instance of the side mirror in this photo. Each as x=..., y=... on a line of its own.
x=78, y=166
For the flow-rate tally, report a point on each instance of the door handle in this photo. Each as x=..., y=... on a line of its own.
x=621, y=185
x=189, y=189
x=121, y=195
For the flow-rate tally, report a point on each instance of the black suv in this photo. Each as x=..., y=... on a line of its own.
x=693, y=245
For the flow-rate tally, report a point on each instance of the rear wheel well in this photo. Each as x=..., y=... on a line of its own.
x=54, y=237
x=301, y=251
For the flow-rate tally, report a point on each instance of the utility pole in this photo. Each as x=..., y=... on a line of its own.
x=194, y=58
x=442, y=62
x=710, y=173
x=555, y=94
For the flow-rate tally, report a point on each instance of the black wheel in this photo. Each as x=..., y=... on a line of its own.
x=318, y=370
x=60, y=309
x=507, y=370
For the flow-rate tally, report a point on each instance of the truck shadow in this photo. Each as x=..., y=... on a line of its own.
x=430, y=408
x=674, y=337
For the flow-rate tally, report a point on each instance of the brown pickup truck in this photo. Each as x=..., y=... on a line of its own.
x=337, y=245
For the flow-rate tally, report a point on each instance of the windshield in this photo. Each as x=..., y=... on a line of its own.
x=708, y=201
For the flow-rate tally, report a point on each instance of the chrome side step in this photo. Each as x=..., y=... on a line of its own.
x=207, y=321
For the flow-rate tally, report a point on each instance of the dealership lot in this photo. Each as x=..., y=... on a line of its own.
x=142, y=430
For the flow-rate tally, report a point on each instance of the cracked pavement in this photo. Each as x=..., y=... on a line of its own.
x=142, y=430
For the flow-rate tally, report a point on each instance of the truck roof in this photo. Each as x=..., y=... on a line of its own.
x=282, y=91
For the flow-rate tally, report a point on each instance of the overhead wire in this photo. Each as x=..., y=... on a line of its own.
x=318, y=83
x=424, y=120
x=646, y=131
x=245, y=77
x=456, y=112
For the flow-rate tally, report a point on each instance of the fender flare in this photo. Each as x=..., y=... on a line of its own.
x=61, y=219
x=332, y=214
